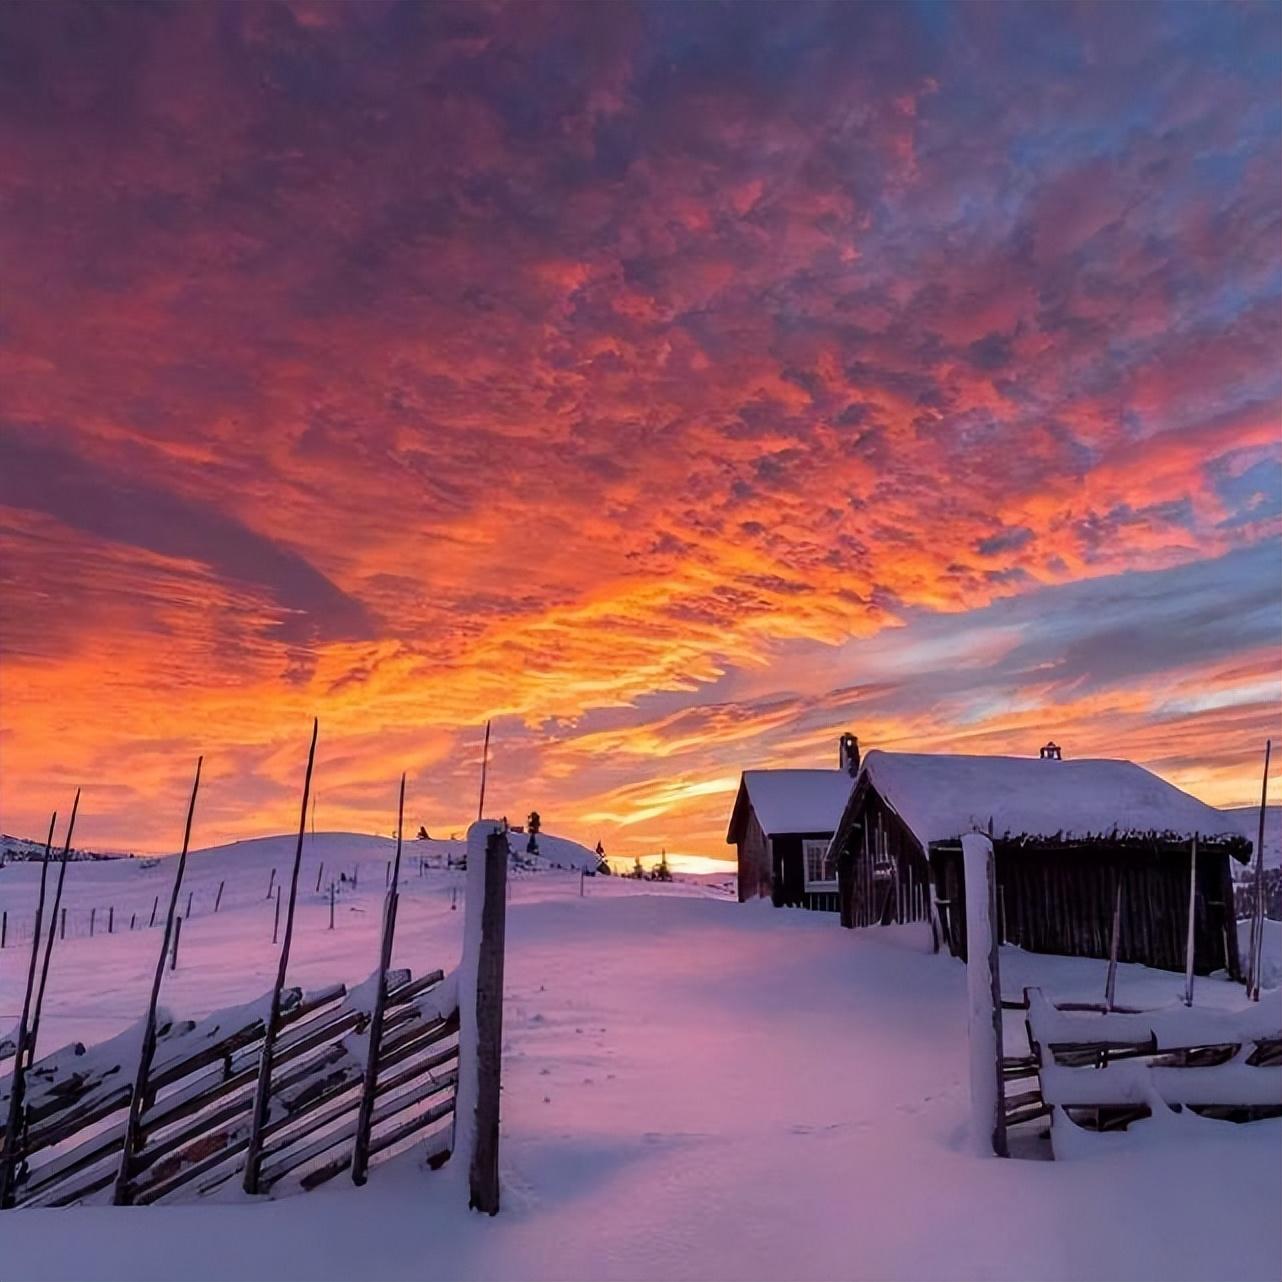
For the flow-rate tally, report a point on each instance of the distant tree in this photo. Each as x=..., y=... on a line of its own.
x=422, y=834
x=532, y=825
x=662, y=872
x=637, y=871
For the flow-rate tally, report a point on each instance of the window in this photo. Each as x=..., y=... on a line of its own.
x=821, y=868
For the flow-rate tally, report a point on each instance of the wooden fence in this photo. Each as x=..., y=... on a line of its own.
x=353, y=1076
x=1094, y=1069
x=1099, y=1066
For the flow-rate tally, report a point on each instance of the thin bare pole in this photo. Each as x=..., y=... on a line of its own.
x=365, y=1117
x=137, y=1100
x=44, y=965
x=485, y=763
x=1114, y=939
x=253, y=1154
x=18, y=1079
x=1257, y=916
x=1190, y=938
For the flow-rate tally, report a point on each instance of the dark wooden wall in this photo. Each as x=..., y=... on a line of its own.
x=754, y=860
x=1060, y=900
x=789, y=869
x=891, y=888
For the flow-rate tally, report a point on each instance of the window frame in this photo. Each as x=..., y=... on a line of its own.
x=822, y=885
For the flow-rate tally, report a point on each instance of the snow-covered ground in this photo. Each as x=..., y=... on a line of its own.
x=693, y=1088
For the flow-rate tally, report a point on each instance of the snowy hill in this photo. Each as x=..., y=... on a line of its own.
x=111, y=895
x=20, y=848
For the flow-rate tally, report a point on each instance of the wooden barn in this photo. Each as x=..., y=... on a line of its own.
x=1066, y=835
x=782, y=823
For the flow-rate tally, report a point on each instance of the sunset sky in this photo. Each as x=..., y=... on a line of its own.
x=678, y=385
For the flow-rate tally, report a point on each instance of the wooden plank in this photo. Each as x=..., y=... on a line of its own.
x=290, y=1158
x=483, y=1172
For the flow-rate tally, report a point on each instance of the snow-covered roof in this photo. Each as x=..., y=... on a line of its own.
x=792, y=800
x=941, y=797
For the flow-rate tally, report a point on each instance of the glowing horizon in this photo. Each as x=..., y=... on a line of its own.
x=677, y=386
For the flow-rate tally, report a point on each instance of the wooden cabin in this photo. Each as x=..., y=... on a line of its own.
x=782, y=823
x=1066, y=836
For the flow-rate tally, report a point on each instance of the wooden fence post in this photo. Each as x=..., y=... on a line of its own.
x=17, y=1082
x=178, y=929
x=984, y=993
x=320, y=872
x=276, y=919
x=262, y=1092
x=93, y=912
x=62, y=925
x=365, y=1117
x=155, y=903
x=1256, y=939
x=133, y=920
x=271, y=881
x=111, y=920
x=190, y=893
x=1114, y=942
x=218, y=899
x=1191, y=937
x=476, y=1110
x=121, y=1193
x=331, y=905
x=4, y=928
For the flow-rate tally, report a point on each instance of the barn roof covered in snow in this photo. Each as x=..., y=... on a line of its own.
x=790, y=800
x=940, y=797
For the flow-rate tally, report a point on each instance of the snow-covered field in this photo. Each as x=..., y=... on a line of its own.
x=693, y=1088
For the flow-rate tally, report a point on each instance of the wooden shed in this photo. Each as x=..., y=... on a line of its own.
x=1066, y=835
x=782, y=824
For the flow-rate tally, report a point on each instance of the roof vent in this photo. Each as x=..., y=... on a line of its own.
x=848, y=754
x=1051, y=752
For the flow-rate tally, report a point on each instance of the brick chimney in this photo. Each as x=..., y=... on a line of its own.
x=848, y=754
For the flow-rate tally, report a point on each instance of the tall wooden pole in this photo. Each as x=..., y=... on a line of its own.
x=1257, y=916
x=1114, y=940
x=13, y=1124
x=365, y=1118
x=254, y=1152
x=483, y=1170
x=485, y=762
x=44, y=965
x=1191, y=937
x=138, y=1099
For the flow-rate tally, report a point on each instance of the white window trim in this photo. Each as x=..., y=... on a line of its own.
x=807, y=845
